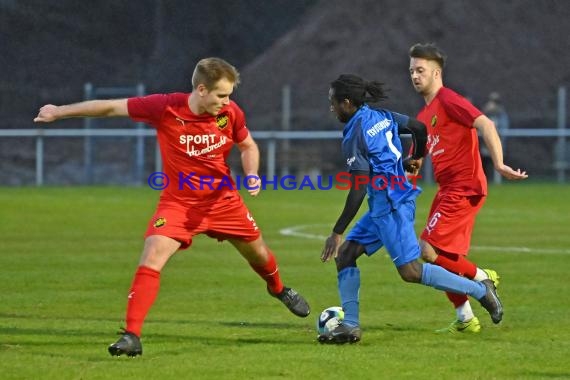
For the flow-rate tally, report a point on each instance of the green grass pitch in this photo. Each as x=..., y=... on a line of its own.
x=67, y=256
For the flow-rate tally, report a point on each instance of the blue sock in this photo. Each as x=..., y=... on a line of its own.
x=348, y=288
x=439, y=278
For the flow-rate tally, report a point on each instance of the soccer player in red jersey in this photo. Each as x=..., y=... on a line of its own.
x=452, y=123
x=196, y=132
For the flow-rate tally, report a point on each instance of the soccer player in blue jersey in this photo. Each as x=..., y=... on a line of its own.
x=373, y=152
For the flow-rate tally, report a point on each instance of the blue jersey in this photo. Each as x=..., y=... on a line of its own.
x=371, y=143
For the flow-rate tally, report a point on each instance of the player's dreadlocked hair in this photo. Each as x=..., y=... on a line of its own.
x=357, y=90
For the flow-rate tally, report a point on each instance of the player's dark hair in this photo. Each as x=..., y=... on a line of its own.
x=209, y=71
x=357, y=90
x=430, y=52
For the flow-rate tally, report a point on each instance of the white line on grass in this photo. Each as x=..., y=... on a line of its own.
x=298, y=231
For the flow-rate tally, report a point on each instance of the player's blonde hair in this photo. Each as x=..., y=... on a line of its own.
x=209, y=71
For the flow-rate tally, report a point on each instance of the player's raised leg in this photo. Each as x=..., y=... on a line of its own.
x=439, y=278
x=445, y=242
x=398, y=235
x=466, y=321
x=263, y=262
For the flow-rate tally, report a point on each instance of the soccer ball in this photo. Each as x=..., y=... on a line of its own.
x=329, y=319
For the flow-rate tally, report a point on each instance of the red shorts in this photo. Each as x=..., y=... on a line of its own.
x=451, y=220
x=228, y=218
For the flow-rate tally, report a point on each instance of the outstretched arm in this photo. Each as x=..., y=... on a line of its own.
x=89, y=108
x=354, y=199
x=493, y=143
x=250, y=163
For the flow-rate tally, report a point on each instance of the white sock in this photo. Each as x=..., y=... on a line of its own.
x=464, y=312
x=480, y=275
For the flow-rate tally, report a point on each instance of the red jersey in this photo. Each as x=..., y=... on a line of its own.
x=453, y=143
x=194, y=148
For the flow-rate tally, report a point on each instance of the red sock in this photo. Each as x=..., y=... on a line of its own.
x=270, y=273
x=457, y=264
x=457, y=299
x=142, y=294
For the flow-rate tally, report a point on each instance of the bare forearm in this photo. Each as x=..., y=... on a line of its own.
x=491, y=138
x=93, y=108
x=250, y=160
x=89, y=108
x=493, y=144
x=250, y=163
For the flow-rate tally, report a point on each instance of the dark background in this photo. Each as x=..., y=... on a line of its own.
x=50, y=49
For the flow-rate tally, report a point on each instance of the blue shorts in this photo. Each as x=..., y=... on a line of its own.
x=394, y=230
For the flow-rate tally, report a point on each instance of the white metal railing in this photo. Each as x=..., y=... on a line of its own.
x=272, y=138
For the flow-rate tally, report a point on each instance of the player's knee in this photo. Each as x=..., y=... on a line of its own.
x=157, y=251
x=409, y=277
x=347, y=255
x=344, y=260
x=410, y=272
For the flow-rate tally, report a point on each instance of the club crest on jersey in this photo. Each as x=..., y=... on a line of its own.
x=433, y=120
x=222, y=121
x=160, y=222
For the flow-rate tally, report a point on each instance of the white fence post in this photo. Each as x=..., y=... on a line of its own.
x=39, y=159
x=271, y=152
x=561, y=164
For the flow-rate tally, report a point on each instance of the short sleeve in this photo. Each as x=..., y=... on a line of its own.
x=240, y=131
x=147, y=109
x=401, y=120
x=355, y=152
x=458, y=108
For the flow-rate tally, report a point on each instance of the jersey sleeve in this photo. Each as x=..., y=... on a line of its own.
x=401, y=120
x=147, y=109
x=356, y=153
x=459, y=109
x=240, y=131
